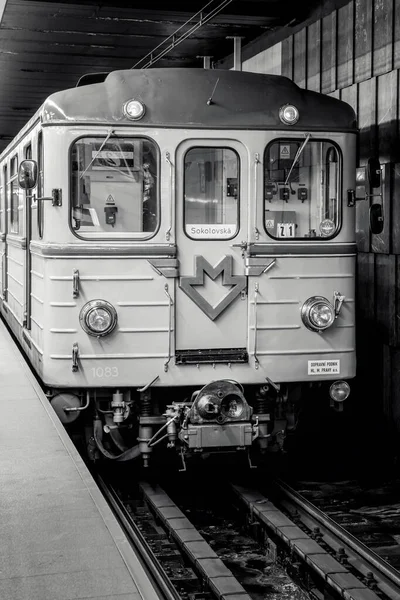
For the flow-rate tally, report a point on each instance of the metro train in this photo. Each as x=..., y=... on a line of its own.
x=178, y=258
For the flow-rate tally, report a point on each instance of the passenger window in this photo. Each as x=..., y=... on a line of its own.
x=114, y=187
x=2, y=201
x=302, y=189
x=14, y=196
x=211, y=193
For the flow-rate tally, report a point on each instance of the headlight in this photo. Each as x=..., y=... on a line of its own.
x=339, y=391
x=317, y=313
x=288, y=114
x=134, y=109
x=98, y=318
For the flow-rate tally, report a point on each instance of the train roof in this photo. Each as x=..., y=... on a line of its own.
x=177, y=97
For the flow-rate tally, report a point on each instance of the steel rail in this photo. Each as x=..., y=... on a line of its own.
x=145, y=554
x=348, y=539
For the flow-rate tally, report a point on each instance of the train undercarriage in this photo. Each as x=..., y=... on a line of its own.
x=155, y=423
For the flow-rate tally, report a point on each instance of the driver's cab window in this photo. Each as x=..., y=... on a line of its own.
x=114, y=187
x=302, y=189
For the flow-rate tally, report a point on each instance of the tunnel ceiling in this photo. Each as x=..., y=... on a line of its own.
x=48, y=46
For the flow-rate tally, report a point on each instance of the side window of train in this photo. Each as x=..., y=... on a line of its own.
x=13, y=196
x=115, y=187
x=211, y=193
x=2, y=200
x=302, y=189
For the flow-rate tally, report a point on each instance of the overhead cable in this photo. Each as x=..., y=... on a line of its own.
x=203, y=19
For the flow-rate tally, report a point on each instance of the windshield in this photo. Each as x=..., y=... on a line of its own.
x=302, y=188
x=114, y=187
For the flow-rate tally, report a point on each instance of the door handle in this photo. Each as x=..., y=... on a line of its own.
x=242, y=245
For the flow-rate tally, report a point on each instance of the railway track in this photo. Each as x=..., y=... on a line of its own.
x=184, y=562
x=189, y=560
x=338, y=562
x=135, y=537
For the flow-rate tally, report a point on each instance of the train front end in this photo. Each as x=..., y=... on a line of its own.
x=207, y=277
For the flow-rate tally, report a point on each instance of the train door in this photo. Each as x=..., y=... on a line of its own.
x=34, y=222
x=28, y=259
x=211, y=224
x=7, y=193
x=3, y=215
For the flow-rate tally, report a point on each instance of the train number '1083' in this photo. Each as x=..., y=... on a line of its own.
x=101, y=372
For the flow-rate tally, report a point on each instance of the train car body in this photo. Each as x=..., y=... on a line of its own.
x=178, y=254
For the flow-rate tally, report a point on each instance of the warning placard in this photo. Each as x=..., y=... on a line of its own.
x=324, y=367
x=284, y=151
x=270, y=223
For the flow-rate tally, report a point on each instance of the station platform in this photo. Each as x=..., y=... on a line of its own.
x=59, y=538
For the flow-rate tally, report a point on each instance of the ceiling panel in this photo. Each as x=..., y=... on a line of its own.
x=47, y=46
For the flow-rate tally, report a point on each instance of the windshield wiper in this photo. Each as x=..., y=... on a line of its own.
x=296, y=158
x=110, y=133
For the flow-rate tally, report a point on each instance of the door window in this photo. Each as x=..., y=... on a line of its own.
x=14, y=196
x=40, y=188
x=302, y=189
x=211, y=193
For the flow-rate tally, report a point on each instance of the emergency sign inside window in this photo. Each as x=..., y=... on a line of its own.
x=302, y=188
x=114, y=185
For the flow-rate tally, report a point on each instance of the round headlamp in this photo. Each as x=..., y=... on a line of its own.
x=98, y=318
x=134, y=109
x=317, y=313
x=339, y=391
x=289, y=114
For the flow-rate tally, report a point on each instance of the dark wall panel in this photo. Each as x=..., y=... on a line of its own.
x=328, y=76
x=366, y=291
x=287, y=57
x=385, y=298
x=395, y=389
x=314, y=57
x=382, y=57
x=345, y=45
x=362, y=40
x=387, y=112
x=350, y=95
x=300, y=58
x=395, y=209
x=367, y=119
x=396, y=41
